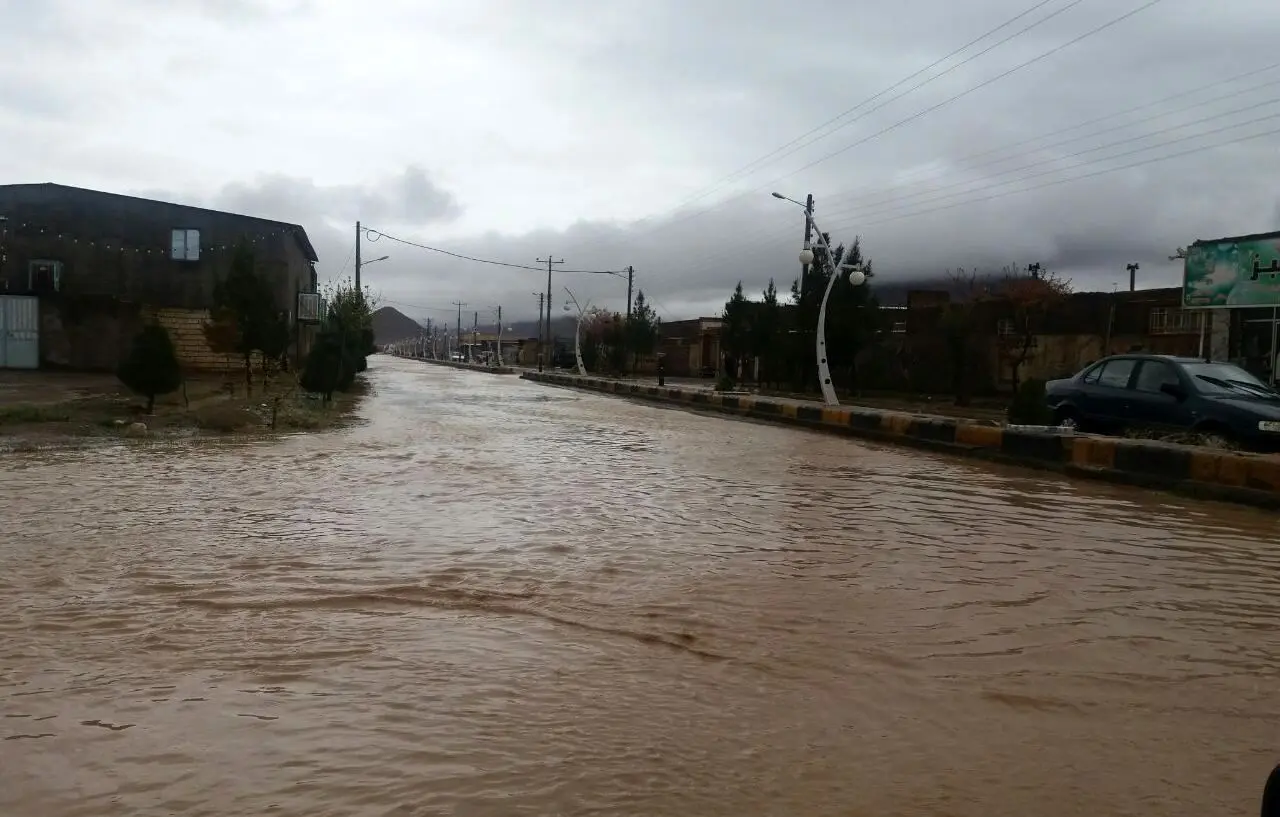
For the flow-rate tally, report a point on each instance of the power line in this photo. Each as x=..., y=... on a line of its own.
x=372, y=236
x=864, y=222
x=1096, y=173
x=878, y=208
x=1028, y=63
x=763, y=240
x=890, y=191
x=1126, y=112
x=985, y=83
x=416, y=306
x=754, y=164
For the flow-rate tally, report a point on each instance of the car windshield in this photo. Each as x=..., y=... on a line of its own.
x=1228, y=379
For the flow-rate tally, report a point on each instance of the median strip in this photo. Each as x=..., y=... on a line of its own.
x=1250, y=479
x=472, y=367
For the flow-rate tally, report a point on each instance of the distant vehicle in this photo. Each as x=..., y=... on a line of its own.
x=1161, y=392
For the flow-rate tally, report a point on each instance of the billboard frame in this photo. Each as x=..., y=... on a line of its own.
x=1271, y=269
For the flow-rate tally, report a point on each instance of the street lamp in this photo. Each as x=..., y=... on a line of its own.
x=364, y=264
x=857, y=277
x=577, y=332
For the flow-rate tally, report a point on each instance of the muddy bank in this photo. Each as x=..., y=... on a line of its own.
x=41, y=409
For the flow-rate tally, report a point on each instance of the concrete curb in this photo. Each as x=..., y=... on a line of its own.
x=473, y=367
x=1248, y=479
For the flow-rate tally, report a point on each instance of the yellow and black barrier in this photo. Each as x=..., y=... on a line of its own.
x=1250, y=479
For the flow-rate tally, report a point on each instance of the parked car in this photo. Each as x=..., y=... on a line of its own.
x=1161, y=392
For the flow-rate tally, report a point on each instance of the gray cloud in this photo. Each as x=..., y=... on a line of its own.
x=580, y=129
x=409, y=198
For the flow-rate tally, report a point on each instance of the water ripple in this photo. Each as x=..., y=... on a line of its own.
x=493, y=597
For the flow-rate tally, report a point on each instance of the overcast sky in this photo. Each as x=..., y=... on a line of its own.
x=606, y=132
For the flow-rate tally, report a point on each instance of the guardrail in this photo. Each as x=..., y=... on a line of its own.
x=1207, y=473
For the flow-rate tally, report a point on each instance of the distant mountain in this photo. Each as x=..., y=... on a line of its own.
x=391, y=325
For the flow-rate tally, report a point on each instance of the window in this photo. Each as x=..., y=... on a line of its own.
x=1165, y=321
x=309, y=307
x=1115, y=373
x=1155, y=374
x=1091, y=376
x=186, y=245
x=1226, y=379
x=44, y=276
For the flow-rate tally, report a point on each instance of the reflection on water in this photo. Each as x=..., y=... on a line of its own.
x=498, y=598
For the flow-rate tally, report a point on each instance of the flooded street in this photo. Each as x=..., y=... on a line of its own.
x=495, y=598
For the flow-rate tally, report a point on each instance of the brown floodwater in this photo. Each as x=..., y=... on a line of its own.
x=497, y=598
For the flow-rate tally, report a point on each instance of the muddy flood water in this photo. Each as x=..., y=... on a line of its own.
x=495, y=597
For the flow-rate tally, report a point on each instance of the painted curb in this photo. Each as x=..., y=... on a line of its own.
x=1249, y=479
x=471, y=367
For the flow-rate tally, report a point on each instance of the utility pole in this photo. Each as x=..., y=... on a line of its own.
x=430, y=341
x=808, y=236
x=1133, y=276
x=358, y=256
x=626, y=332
x=540, y=297
x=631, y=276
x=475, y=332
x=498, y=344
x=549, y=261
x=459, y=304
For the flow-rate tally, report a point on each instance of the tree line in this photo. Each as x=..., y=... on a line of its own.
x=773, y=343
x=613, y=343
x=246, y=321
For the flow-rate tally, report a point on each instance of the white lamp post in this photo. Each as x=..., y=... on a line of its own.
x=577, y=332
x=856, y=277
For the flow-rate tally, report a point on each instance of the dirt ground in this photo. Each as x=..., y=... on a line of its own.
x=39, y=406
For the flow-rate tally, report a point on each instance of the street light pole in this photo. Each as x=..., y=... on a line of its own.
x=577, y=332
x=857, y=277
x=541, y=298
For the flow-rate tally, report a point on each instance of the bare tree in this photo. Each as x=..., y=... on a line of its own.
x=1025, y=301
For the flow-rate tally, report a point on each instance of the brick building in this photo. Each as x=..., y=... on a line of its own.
x=89, y=269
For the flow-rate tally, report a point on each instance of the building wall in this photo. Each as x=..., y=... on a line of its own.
x=690, y=346
x=1080, y=329
x=88, y=334
x=186, y=329
x=117, y=250
x=120, y=246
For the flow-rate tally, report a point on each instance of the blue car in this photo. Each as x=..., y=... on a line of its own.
x=1165, y=393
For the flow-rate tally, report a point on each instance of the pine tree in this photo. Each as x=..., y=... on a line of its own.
x=151, y=367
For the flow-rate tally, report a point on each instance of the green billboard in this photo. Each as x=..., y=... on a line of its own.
x=1232, y=272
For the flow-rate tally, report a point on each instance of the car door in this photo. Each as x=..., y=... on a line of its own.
x=1107, y=396
x=1152, y=407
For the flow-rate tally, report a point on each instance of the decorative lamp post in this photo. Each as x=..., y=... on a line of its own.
x=577, y=332
x=857, y=277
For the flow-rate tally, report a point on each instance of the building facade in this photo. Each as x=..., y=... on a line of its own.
x=102, y=265
x=691, y=348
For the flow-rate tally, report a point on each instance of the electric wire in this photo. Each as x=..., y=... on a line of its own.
x=779, y=150
x=878, y=208
x=862, y=222
x=687, y=218
x=373, y=236
x=892, y=191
